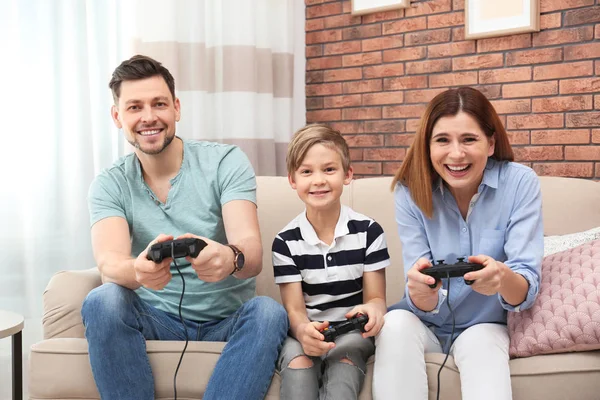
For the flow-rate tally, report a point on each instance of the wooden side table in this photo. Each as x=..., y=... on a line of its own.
x=11, y=324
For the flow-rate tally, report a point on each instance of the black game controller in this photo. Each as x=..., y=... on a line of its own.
x=442, y=270
x=181, y=248
x=337, y=328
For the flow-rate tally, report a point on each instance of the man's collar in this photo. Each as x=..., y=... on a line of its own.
x=140, y=169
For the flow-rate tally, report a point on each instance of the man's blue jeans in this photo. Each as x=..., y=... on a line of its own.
x=118, y=323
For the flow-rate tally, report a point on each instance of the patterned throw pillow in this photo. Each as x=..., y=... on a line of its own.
x=566, y=315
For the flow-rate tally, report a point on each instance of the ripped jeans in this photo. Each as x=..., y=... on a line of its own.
x=329, y=378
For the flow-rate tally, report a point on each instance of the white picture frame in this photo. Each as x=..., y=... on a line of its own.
x=491, y=18
x=361, y=7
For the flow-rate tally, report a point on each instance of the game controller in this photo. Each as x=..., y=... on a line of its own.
x=442, y=270
x=336, y=329
x=181, y=248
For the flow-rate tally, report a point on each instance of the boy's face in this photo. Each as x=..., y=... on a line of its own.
x=320, y=179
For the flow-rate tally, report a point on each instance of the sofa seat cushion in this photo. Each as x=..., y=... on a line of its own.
x=554, y=376
x=60, y=369
x=566, y=315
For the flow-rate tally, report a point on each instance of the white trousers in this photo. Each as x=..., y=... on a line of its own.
x=480, y=353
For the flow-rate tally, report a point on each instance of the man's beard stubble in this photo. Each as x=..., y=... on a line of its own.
x=167, y=141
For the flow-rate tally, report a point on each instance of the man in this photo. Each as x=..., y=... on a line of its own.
x=172, y=188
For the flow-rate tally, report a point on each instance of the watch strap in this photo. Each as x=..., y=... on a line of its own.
x=236, y=254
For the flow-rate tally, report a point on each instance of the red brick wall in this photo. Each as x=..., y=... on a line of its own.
x=371, y=77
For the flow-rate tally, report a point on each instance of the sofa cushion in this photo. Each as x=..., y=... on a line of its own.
x=60, y=369
x=566, y=315
x=558, y=243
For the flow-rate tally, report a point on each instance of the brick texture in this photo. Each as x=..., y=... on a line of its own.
x=371, y=77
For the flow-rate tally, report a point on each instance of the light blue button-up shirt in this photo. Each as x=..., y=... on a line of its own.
x=504, y=222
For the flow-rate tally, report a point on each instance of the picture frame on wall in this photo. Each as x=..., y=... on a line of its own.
x=360, y=7
x=484, y=18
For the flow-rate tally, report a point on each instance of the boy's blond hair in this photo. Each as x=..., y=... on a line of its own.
x=310, y=135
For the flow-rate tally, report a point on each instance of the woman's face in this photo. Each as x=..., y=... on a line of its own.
x=459, y=151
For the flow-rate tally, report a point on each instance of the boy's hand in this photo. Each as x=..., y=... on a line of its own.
x=312, y=340
x=150, y=274
x=375, y=323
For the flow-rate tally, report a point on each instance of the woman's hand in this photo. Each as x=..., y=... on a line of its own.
x=497, y=277
x=422, y=296
x=312, y=340
x=490, y=279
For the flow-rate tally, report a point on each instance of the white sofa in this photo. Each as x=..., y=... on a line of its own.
x=59, y=366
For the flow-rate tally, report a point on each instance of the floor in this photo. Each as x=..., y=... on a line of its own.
x=32, y=333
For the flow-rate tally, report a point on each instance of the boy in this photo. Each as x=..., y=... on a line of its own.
x=329, y=264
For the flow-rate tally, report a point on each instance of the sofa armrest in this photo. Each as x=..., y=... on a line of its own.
x=63, y=298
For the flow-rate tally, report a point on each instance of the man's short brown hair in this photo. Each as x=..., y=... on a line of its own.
x=139, y=67
x=313, y=134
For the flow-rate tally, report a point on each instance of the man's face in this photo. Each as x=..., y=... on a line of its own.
x=147, y=113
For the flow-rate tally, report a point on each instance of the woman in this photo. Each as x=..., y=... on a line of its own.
x=458, y=194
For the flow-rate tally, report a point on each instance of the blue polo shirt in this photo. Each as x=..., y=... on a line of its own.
x=211, y=175
x=504, y=221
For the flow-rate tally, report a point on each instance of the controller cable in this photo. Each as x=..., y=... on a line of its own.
x=451, y=337
x=181, y=319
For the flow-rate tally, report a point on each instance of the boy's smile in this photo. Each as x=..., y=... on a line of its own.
x=320, y=179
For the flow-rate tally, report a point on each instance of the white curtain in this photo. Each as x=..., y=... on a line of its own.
x=57, y=134
x=57, y=59
x=238, y=68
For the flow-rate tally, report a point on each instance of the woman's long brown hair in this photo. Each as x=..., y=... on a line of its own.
x=416, y=171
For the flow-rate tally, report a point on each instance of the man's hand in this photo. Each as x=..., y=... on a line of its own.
x=422, y=296
x=150, y=274
x=215, y=261
x=490, y=279
x=375, y=323
x=312, y=340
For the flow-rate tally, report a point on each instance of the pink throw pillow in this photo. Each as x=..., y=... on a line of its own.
x=566, y=315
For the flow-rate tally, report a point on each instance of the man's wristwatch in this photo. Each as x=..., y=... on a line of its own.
x=238, y=259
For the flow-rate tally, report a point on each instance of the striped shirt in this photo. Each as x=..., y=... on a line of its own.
x=331, y=275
